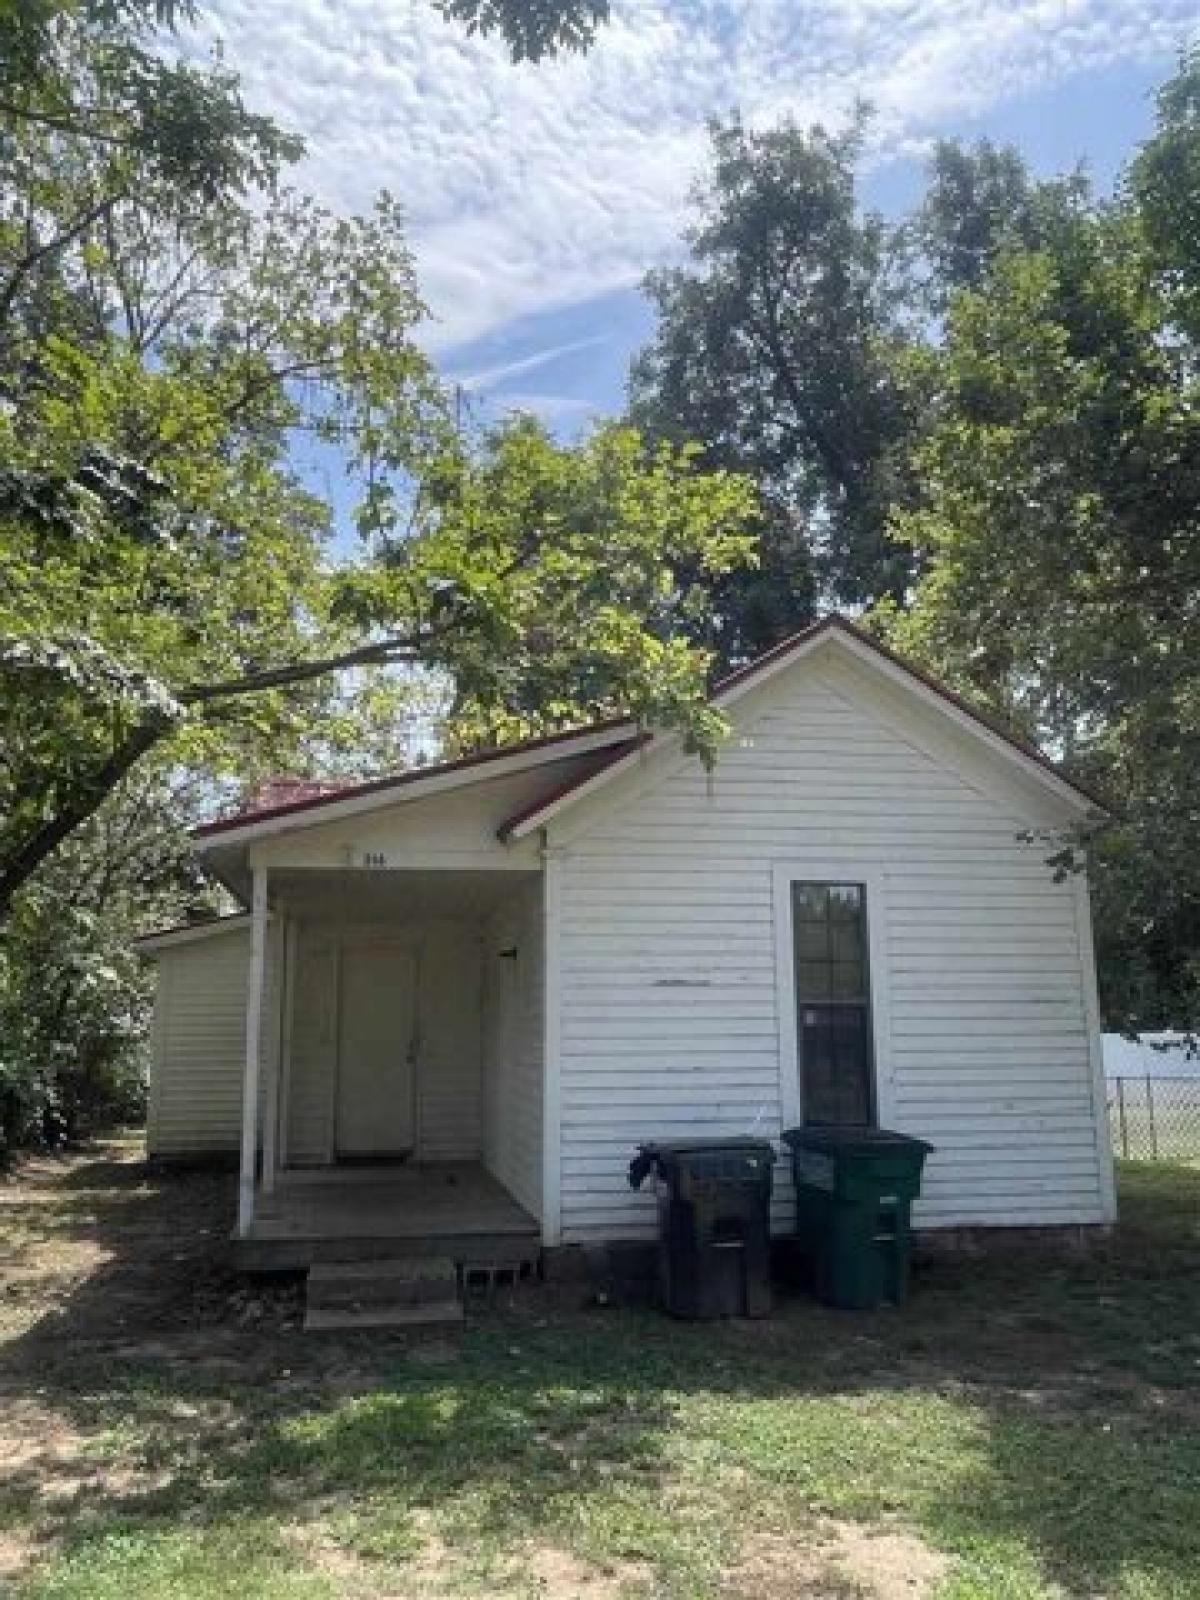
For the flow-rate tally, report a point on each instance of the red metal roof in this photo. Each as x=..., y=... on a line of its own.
x=625, y=747
x=399, y=780
x=278, y=791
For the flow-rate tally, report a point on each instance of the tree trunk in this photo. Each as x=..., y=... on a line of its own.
x=84, y=802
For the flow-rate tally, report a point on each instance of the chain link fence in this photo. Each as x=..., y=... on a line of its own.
x=1155, y=1119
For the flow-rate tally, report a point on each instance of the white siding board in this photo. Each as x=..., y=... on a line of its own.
x=200, y=1043
x=670, y=1014
x=449, y=1063
x=310, y=1073
x=513, y=1041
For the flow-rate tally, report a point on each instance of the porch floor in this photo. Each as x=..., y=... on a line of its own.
x=454, y=1209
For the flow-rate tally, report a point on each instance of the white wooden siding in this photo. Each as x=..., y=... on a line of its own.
x=200, y=1042
x=670, y=1017
x=513, y=1045
x=449, y=1091
x=449, y=1096
x=310, y=1073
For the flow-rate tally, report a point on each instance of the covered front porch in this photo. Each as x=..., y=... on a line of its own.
x=393, y=1092
x=402, y=1002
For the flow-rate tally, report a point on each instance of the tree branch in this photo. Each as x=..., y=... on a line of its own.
x=281, y=677
x=76, y=125
x=42, y=252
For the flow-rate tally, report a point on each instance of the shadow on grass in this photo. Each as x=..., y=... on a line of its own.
x=1033, y=1409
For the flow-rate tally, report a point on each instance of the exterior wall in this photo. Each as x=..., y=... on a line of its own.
x=514, y=998
x=449, y=1095
x=199, y=1043
x=676, y=1012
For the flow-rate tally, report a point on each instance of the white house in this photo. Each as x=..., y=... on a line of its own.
x=459, y=997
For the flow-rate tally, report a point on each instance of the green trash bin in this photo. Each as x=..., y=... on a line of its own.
x=854, y=1193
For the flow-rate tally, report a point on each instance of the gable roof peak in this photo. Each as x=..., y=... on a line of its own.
x=843, y=631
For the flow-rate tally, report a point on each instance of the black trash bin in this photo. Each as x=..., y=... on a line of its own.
x=714, y=1202
x=854, y=1193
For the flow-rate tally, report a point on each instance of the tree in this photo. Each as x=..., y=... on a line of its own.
x=74, y=995
x=981, y=200
x=192, y=603
x=163, y=568
x=174, y=619
x=165, y=574
x=1060, y=538
x=574, y=575
x=1164, y=187
x=88, y=72
x=775, y=348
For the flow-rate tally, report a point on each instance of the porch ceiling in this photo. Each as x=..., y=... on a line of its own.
x=396, y=896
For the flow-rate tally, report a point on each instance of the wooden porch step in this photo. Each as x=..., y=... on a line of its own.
x=410, y=1281
x=431, y=1313
x=405, y=1292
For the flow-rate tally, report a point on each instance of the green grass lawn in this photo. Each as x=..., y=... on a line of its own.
x=1029, y=1426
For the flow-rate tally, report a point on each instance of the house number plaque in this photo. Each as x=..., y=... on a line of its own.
x=369, y=858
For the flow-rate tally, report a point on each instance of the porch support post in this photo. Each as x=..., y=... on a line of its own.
x=270, y=1137
x=254, y=1018
x=551, y=1050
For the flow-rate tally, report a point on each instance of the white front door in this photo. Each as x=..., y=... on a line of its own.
x=376, y=1086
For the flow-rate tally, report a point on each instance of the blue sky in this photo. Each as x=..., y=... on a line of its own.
x=537, y=197
x=583, y=350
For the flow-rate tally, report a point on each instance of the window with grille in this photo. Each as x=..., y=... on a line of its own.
x=833, y=1003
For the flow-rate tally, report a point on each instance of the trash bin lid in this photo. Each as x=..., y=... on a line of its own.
x=665, y=1155
x=853, y=1141
x=738, y=1144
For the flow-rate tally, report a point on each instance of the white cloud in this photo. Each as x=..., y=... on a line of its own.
x=530, y=188
x=488, y=377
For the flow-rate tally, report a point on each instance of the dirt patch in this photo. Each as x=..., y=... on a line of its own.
x=891, y=1565
x=344, y=1568
x=35, y=1437
x=836, y=1561
x=16, y=1555
x=545, y=1570
x=558, y=1575
x=98, y=1247
x=359, y=1575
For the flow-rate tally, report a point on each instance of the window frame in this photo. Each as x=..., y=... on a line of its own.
x=869, y=873
x=860, y=1006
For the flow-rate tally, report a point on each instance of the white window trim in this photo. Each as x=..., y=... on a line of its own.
x=832, y=869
